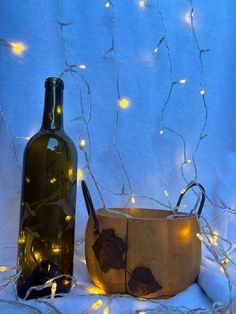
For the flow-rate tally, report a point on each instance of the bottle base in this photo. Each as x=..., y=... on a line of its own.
x=34, y=286
x=42, y=293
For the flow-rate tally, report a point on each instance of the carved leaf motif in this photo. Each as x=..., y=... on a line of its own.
x=109, y=249
x=142, y=282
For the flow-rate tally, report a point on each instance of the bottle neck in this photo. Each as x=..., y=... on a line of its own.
x=53, y=108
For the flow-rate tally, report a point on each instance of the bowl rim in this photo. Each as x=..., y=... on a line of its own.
x=182, y=215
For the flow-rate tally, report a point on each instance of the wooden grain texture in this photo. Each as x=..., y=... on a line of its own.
x=114, y=279
x=162, y=258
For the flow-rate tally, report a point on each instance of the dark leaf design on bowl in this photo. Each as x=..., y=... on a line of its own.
x=109, y=249
x=142, y=282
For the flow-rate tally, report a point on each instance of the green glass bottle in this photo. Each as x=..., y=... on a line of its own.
x=47, y=217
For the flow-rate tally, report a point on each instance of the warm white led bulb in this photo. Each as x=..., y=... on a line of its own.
x=97, y=304
x=124, y=103
x=17, y=47
x=199, y=236
x=80, y=174
x=142, y=4
x=82, y=144
x=106, y=310
x=133, y=199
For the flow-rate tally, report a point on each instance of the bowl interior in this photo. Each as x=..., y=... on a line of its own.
x=139, y=213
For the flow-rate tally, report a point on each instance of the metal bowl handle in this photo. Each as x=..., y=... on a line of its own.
x=89, y=205
x=203, y=196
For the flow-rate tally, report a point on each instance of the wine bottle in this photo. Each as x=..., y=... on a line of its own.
x=48, y=200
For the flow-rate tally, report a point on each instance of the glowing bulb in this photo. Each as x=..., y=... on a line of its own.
x=56, y=250
x=183, y=81
x=106, y=310
x=66, y=282
x=27, y=179
x=166, y=193
x=202, y=92
x=82, y=144
x=54, y=288
x=107, y=5
x=59, y=109
x=17, y=48
x=95, y=290
x=68, y=218
x=133, y=199
x=156, y=49
x=224, y=263
x=142, y=4
x=199, y=236
x=124, y=103
x=226, y=260
x=97, y=305
x=3, y=268
x=70, y=173
x=82, y=66
x=80, y=175
x=83, y=260
x=161, y=132
x=185, y=232
x=22, y=238
x=38, y=256
x=189, y=161
x=53, y=180
x=187, y=18
x=53, y=291
x=214, y=238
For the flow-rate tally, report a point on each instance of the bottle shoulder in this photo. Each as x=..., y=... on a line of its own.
x=50, y=139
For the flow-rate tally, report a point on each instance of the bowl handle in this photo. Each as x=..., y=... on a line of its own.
x=203, y=196
x=89, y=205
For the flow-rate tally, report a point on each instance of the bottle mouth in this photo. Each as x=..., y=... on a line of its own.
x=54, y=81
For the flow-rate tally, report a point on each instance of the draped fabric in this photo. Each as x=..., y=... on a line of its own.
x=172, y=61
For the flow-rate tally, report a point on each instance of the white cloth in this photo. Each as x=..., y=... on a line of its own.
x=214, y=282
x=74, y=302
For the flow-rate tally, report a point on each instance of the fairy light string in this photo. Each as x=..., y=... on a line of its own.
x=11, y=136
x=202, y=134
x=122, y=102
x=173, y=83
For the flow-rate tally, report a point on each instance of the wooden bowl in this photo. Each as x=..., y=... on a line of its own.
x=148, y=255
